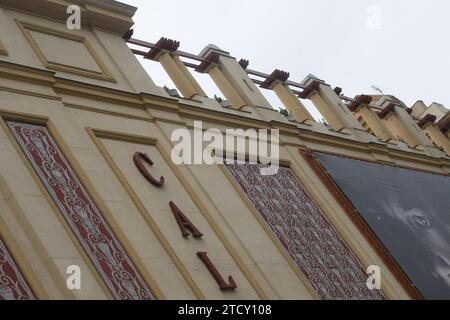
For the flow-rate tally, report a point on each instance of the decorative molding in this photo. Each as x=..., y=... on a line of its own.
x=107, y=112
x=96, y=92
x=104, y=74
x=26, y=73
x=30, y=93
x=22, y=117
x=125, y=137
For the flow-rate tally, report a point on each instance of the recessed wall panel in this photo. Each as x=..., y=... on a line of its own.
x=156, y=206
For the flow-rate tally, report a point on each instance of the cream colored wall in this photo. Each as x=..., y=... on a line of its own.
x=102, y=123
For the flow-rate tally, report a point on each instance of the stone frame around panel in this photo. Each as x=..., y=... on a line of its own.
x=97, y=134
x=104, y=75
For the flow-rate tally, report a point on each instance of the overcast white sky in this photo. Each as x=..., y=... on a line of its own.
x=401, y=46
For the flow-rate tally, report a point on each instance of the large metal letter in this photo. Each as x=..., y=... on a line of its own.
x=138, y=159
x=216, y=275
x=186, y=226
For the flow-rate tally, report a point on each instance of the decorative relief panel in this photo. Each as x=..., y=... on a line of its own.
x=65, y=52
x=81, y=214
x=303, y=230
x=12, y=284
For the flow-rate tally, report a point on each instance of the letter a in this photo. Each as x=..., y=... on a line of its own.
x=186, y=226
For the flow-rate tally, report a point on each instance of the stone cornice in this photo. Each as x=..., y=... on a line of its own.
x=149, y=101
x=105, y=14
x=27, y=74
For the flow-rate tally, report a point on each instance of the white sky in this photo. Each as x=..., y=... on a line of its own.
x=404, y=50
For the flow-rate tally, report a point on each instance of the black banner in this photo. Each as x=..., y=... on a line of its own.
x=408, y=210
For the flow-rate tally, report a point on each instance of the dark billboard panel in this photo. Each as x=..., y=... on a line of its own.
x=408, y=210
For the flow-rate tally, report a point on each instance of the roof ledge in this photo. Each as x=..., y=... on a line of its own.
x=103, y=14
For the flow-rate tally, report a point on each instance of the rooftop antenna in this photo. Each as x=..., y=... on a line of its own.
x=377, y=89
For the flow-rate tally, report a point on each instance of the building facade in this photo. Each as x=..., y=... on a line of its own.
x=89, y=188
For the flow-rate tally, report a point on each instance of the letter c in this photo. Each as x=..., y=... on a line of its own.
x=139, y=159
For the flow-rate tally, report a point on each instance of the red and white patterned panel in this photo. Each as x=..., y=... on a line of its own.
x=304, y=231
x=79, y=211
x=12, y=284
